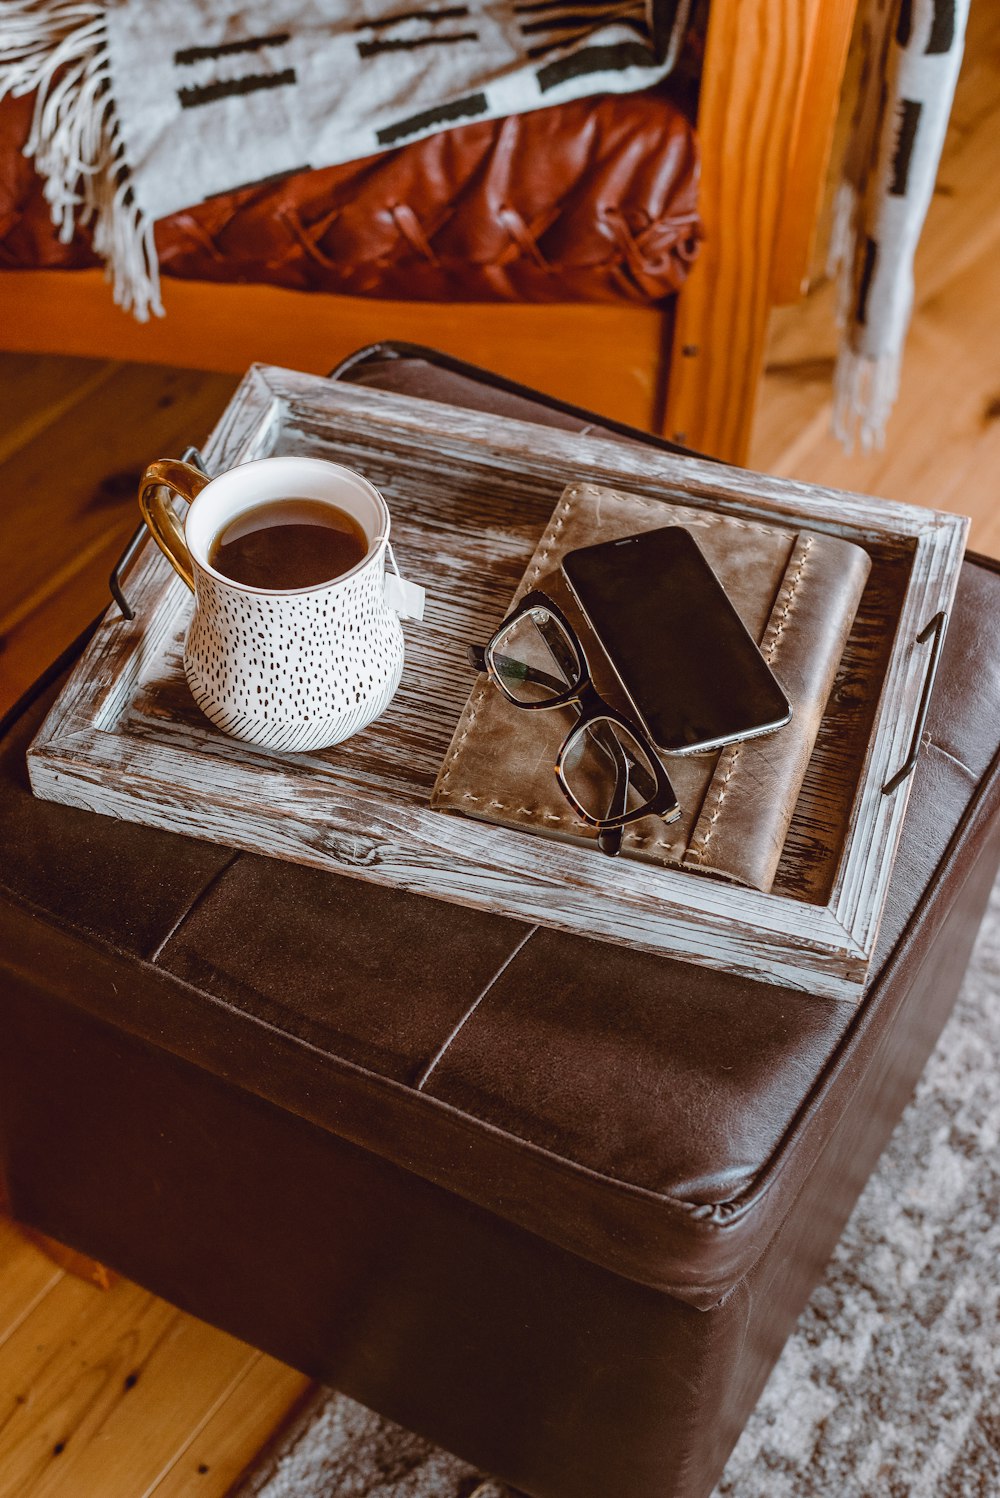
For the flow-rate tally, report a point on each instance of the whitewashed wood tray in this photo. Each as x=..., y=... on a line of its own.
x=469, y=495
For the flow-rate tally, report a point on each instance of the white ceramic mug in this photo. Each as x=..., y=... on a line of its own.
x=291, y=669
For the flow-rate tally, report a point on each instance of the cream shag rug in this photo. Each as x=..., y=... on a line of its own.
x=890, y=1385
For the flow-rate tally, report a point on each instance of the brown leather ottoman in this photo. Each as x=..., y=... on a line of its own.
x=550, y=1203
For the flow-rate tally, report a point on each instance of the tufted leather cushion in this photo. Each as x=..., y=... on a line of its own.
x=592, y=201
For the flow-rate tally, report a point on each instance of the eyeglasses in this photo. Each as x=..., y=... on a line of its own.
x=607, y=768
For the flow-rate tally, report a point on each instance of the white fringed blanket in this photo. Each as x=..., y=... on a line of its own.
x=146, y=106
x=911, y=51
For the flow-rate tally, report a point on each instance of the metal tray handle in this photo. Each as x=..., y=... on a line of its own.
x=190, y=455
x=935, y=627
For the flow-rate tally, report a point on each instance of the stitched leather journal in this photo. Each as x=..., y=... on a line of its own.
x=796, y=591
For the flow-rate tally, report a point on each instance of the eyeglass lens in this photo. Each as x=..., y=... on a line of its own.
x=534, y=659
x=606, y=770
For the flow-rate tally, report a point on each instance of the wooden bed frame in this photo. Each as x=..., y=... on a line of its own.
x=770, y=91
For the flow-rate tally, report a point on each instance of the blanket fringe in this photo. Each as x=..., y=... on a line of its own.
x=59, y=48
x=864, y=392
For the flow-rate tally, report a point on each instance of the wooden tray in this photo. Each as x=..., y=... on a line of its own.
x=469, y=495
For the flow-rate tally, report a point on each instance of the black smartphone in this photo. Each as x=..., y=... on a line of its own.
x=688, y=664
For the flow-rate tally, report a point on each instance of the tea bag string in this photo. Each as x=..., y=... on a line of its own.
x=391, y=555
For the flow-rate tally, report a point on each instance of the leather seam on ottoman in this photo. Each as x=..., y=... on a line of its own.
x=929, y=743
x=621, y=1249
x=196, y=900
x=442, y=1050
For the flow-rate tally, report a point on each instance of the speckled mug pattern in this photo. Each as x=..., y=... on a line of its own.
x=296, y=671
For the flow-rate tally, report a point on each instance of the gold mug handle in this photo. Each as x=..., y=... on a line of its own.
x=167, y=477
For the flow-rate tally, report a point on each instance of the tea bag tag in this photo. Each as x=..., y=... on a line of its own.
x=405, y=598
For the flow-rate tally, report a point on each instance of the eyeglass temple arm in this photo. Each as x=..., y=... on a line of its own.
x=476, y=656
x=609, y=839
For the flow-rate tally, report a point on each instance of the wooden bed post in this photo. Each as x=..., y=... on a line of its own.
x=769, y=97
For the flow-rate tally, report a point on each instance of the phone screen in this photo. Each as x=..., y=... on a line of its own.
x=682, y=653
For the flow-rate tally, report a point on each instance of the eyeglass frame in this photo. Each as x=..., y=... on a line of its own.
x=591, y=706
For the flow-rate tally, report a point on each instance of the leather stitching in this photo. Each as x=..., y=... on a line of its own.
x=201, y=235
x=631, y=248
x=625, y=248
x=770, y=648
x=697, y=850
x=304, y=236
x=192, y=238
x=523, y=237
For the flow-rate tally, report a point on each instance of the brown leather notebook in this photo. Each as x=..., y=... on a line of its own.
x=796, y=591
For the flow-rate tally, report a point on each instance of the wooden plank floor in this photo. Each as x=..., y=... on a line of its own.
x=112, y=1393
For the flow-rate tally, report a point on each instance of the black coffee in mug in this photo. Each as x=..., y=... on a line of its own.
x=288, y=543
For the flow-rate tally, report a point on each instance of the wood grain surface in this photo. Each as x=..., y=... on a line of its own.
x=470, y=494
x=112, y=1394
x=68, y=505
x=608, y=358
x=827, y=25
